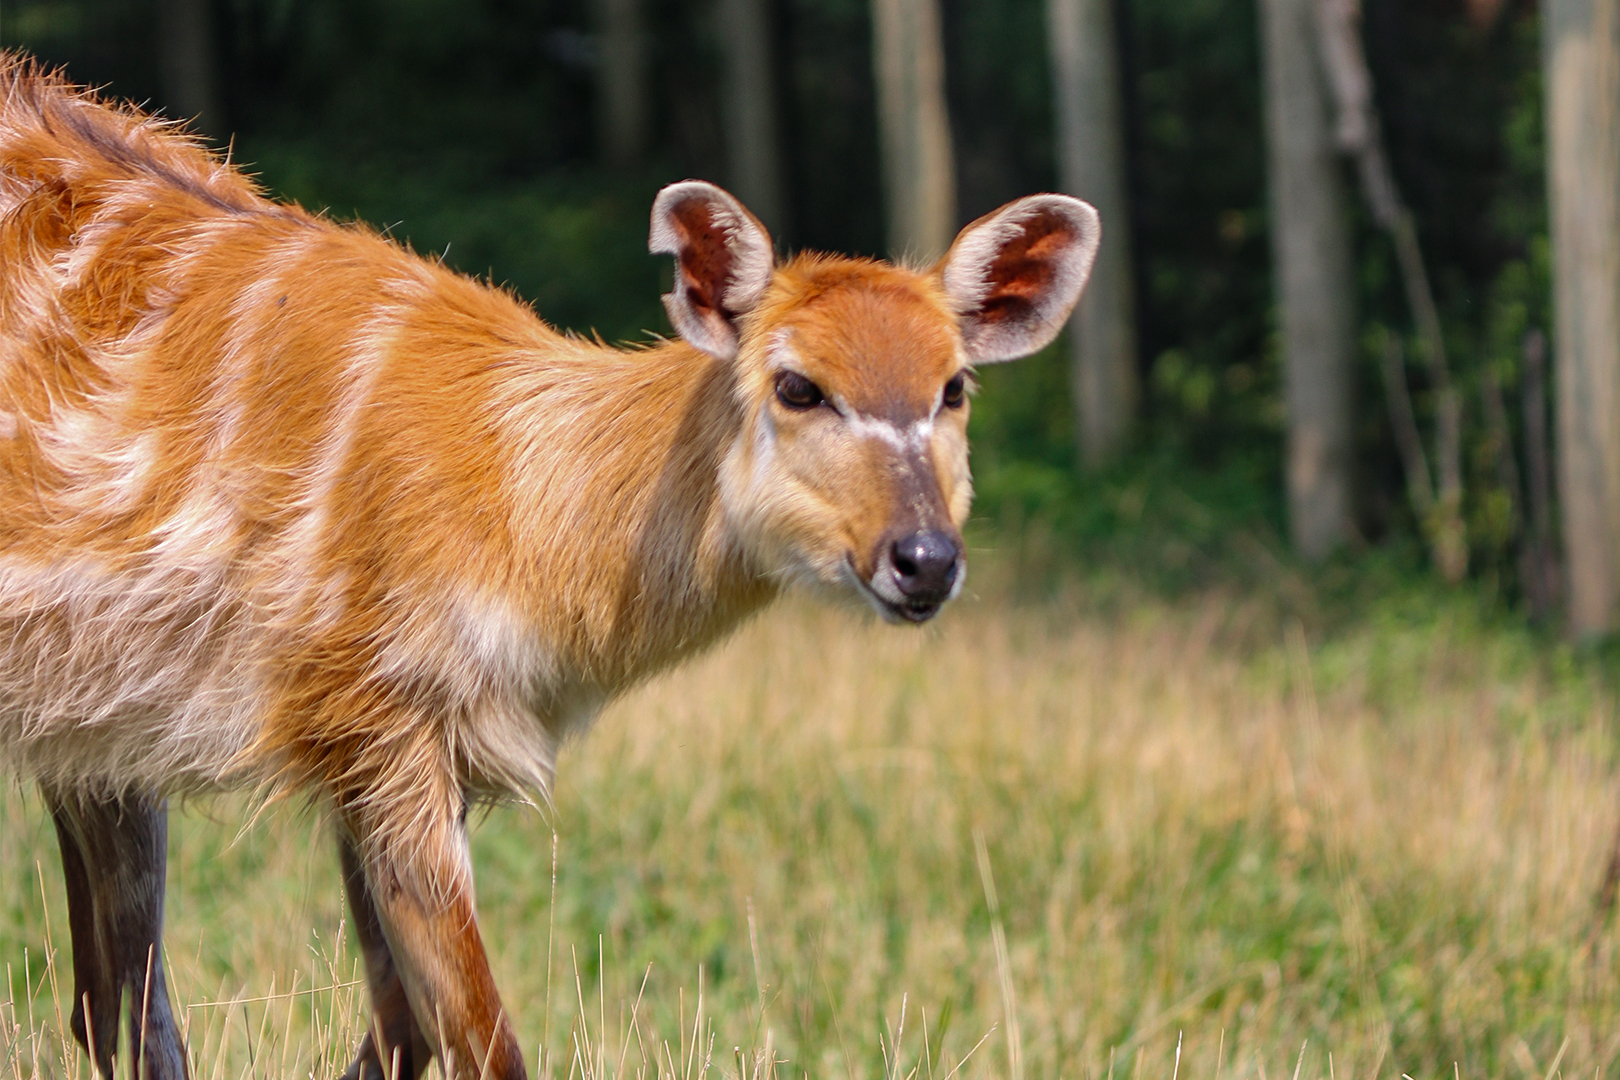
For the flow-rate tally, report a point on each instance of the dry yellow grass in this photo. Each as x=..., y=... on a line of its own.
x=1382, y=848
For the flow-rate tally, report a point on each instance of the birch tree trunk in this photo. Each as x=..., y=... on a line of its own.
x=914, y=127
x=750, y=106
x=1310, y=240
x=621, y=81
x=186, y=60
x=1582, y=57
x=1091, y=166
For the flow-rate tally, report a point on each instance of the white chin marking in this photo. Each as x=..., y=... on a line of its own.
x=881, y=594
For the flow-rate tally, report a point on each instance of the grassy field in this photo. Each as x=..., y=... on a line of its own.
x=1040, y=839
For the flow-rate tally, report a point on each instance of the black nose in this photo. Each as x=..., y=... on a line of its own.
x=925, y=566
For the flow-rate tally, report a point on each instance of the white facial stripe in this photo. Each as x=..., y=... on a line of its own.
x=914, y=436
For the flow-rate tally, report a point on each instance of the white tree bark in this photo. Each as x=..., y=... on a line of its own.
x=621, y=81
x=919, y=170
x=750, y=107
x=1582, y=58
x=1311, y=257
x=1091, y=165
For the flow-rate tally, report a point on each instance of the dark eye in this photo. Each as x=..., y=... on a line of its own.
x=955, y=391
x=797, y=392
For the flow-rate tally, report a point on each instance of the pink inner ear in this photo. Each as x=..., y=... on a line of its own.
x=706, y=261
x=1023, y=271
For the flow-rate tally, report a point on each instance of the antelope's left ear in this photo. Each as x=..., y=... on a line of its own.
x=723, y=262
x=1015, y=274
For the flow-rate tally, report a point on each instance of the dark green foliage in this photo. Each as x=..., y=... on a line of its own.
x=573, y=246
x=829, y=127
x=1000, y=99
x=1199, y=192
x=1461, y=107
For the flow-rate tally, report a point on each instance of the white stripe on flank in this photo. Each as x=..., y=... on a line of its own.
x=374, y=345
x=252, y=310
x=204, y=525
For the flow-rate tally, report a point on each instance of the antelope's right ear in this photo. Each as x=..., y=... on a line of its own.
x=723, y=262
x=1016, y=273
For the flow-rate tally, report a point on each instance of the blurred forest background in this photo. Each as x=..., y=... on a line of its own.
x=1229, y=388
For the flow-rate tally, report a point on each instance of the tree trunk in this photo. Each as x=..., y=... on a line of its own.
x=1539, y=561
x=1339, y=24
x=621, y=81
x=1310, y=240
x=1582, y=43
x=914, y=127
x=1091, y=166
x=755, y=165
x=186, y=58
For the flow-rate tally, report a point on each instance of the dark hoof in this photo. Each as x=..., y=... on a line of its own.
x=367, y=1066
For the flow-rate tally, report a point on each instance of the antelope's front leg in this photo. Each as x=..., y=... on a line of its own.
x=419, y=883
x=394, y=1048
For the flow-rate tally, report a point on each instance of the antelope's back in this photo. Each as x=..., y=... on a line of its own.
x=193, y=381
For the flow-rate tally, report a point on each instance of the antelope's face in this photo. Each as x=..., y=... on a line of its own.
x=851, y=467
x=855, y=470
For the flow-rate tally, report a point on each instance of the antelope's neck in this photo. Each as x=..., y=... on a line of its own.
x=627, y=561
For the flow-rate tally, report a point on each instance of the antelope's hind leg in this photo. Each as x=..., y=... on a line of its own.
x=114, y=860
x=403, y=1054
